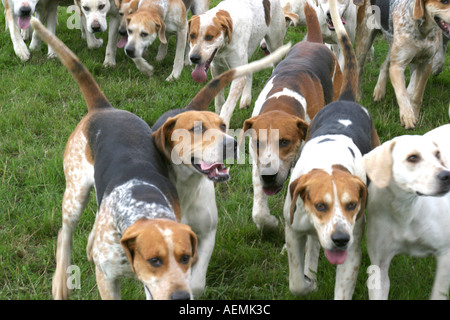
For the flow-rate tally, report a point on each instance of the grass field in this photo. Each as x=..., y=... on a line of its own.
x=40, y=105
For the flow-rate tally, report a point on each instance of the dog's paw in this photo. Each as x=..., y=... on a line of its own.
x=109, y=63
x=245, y=102
x=265, y=222
x=95, y=44
x=51, y=55
x=22, y=53
x=408, y=120
x=378, y=93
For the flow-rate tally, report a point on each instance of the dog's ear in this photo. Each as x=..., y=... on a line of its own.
x=302, y=126
x=293, y=17
x=378, y=164
x=362, y=195
x=297, y=188
x=247, y=126
x=162, y=137
x=419, y=9
x=226, y=22
x=117, y=3
x=161, y=26
x=128, y=242
x=358, y=3
x=194, y=241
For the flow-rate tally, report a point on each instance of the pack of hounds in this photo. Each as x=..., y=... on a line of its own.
x=157, y=214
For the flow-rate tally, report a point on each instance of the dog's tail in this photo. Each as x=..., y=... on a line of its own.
x=204, y=98
x=92, y=94
x=350, y=76
x=312, y=23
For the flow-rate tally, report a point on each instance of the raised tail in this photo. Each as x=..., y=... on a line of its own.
x=350, y=76
x=312, y=23
x=204, y=98
x=92, y=94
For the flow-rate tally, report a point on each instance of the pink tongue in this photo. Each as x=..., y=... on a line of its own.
x=122, y=42
x=204, y=166
x=336, y=256
x=24, y=22
x=199, y=73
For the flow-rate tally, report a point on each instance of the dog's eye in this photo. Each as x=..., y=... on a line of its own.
x=223, y=127
x=192, y=36
x=209, y=37
x=129, y=31
x=155, y=262
x=350, y=206
x=444, y=1
x=413, y=158
x=144, y=34
x=322, y=207
x=438, y=155
x=86, y=8
x=121, y=14
x=101, y=7
x=185, y=259
x=284, y=143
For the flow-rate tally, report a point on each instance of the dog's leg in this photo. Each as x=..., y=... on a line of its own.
x=40, y=14
x=347, y=273
x=111, y=47
x=79, y=180
x=109, y=289
x=442, y=279
x=143, y=66
x=52, y=20
x=312, y=260
x=380, y=89
x=20, y=48
x=219, y=100
x=178, y=63
x=295, y=246
x=261, y=212
x=439, y=58
x=236, y=88
x=397, y=74
x=416, y=87
x=246, y=97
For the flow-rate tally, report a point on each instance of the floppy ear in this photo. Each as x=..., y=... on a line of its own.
x=117, y=3
x=247, y=126
x=378, y=164
x=128, y=242
x=226, y=22
x=302, y=126
x=419, y=9
x=160, y=25
x=358, y=3
x=362, y=195
x=162, y=137
x=296, y=188
x=288, y=16
x=193, y=237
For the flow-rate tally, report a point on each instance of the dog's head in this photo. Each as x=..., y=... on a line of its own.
x=198, y=141
x=410, y=162
x=125, y=7
x=143, y=28
x=95, y=12
x=437, y=10
x=324, y=11
x=276, y=138
x=161, y=253
x=333, y=201
x=206, y=36
x=23, y=10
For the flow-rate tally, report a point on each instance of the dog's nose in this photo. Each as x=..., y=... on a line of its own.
x=195, y=58
x=180, y=295
x=130, y=51
x=24, y=11
x=269, y=178
x=96, y=26
x=444, y=176
x=340, y=239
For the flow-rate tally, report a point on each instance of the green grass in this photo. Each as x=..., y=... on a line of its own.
x=40, y=105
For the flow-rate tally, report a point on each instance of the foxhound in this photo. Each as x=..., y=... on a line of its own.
x=327, y=189
x=408, y=206
x=414, y=30
x=195, y=144
x=94, y=14
x=136, y=231
x=306, y=80
x=151, y=20
x=226, y=36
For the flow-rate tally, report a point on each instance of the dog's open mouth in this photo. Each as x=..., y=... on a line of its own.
x=24, y=21
x=336, y=256
x=123, y=41
x=271, y=191
x=443, y=25
x=331, y=25
x=199, y=73
x=216, y=172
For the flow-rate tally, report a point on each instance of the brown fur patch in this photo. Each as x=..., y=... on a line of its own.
x=266, y=5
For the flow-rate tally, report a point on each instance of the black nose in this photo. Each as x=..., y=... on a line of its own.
x=340, y=239
x=444, y=176
x=195, y=58
x=269, y=178
x=180, y=295
x=96, y=26
x=25, y=11
x=130, y=51
x=329, y=14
